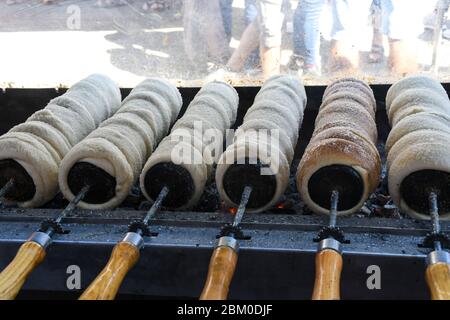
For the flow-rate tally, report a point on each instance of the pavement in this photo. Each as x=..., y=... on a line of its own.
x=55, y=45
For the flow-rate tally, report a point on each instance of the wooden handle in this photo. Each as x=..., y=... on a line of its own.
x=221, y=270
x=12, y=278
x=105, y=286
x=438, y=279
x=328, y=275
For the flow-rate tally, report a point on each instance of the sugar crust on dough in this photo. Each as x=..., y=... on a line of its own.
x=40, y=143
x=213, y=110
x=280, y=106
x=345, y=134
x=122, y=143
x=419, y=111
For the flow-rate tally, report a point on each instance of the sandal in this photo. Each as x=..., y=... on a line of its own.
x=376, y=54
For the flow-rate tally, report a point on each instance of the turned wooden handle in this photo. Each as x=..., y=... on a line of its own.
x=105, y=286
x=221, y=269
x=328, y=275
x=12, y=278
x=438, y=280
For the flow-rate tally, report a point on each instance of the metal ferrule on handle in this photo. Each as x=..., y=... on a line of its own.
x=135, y=239
x=331, y=244
x=229, y=242
x=41, y=238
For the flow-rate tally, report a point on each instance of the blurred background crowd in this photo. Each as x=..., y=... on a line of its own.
x=323, y=37
x=399, y=22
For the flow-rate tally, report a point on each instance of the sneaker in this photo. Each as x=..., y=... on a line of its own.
x=446, y=34
x=311, y=70
x=221, y=74
x=296, y=62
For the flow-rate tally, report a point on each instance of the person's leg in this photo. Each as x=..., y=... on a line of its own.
x=377, y=51
x=311, y=32
x=195, y=49
x=248, y=43
x=299, y=29
x=226, y=10
x=270, y=60
x=349, y=19
x=251, y=13
x=343, y=56
x=402, y=57
x=215, y=34
x=271, y=22
x=402, y=23
x=204, y=35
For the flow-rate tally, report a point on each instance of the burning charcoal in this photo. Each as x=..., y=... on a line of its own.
x=366, y=210
x=391, y=211
x=383, y=199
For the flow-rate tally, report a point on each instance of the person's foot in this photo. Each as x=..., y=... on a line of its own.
x=221, y=74
x=296, y=62
x=311, y=70
x=446, y=34
x=110, y=3
x=155, y=5
x=376, y=55
x=427, y=35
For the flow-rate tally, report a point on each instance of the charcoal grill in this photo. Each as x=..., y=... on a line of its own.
x=276, y=263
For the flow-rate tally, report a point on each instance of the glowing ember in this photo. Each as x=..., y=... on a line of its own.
x=233, y=210
x=280, y=205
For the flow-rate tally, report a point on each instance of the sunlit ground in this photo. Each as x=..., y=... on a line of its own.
x=129, y=44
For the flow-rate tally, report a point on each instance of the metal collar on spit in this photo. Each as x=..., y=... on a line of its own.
x=52, y=226
x=6, y=188
x=435, y=239
x=234, y=229
x=141, y=227
x=331, y=231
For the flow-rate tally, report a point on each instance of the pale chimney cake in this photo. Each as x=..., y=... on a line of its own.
x=342, y=153
x=31, y=152
x=198, y=136
x=111, y=158
x=257, y=160
x=418, y=161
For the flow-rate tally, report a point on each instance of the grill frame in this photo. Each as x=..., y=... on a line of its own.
x=277, y=263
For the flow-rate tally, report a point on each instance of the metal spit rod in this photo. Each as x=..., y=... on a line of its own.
x=7, y=187
x=73, y=204
x=334, y=207
x=156, y=205
x=242, y=206
x=434, y=214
